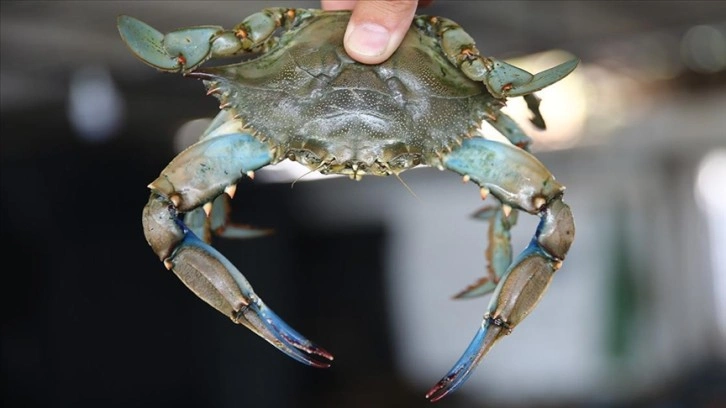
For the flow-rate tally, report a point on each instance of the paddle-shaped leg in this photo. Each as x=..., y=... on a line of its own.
x=519, y=180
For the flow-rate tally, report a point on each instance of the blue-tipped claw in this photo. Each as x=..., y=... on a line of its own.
x=219, y=283
x=483, y=340
x=268, y=325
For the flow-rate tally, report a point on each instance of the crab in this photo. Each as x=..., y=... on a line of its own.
x=297, y=95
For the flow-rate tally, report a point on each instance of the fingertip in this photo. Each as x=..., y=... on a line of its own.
x=376, y=29
x=367, y=42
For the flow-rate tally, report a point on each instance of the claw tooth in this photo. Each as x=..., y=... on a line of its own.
x=484, y=192
x=230, y=190
x=506, y=209
x=466, y=178
x=539, y=202
x=251, y=174
x=207, y=208
x=168, y=264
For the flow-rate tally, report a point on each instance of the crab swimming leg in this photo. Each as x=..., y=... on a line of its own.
x=501, y=79
x=519, y=180
x=194, y=178
x=184, y=50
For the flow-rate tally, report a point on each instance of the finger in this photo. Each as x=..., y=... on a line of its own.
x=332, y=5
x=376, y=29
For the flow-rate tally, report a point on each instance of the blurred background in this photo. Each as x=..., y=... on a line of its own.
x=635, y=317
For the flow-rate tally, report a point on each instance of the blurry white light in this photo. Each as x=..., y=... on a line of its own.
x=95, y=107
x=189, y=133
x=711, y=197
x=564, y=104
x=288, y=171
x=704, y=49
x=658, y=58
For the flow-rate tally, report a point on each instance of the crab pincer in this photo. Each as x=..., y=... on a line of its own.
x=204, y=270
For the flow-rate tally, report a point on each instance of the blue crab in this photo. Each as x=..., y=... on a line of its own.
x=297, y=95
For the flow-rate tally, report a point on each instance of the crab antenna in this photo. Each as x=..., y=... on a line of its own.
x=322, y=164
x=407, y=187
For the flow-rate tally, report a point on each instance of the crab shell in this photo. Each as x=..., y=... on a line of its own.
x=336, y=115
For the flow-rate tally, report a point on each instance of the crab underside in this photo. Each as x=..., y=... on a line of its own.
x=297, y=95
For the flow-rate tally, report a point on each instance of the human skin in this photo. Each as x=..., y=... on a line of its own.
x=376, y=27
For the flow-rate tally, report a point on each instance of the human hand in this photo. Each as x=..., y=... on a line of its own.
x=376, y=27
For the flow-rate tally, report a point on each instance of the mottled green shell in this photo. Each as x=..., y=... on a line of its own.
x=309, y=98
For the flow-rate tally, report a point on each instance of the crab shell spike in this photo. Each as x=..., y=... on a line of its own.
x=465, y=179
x=207, y=208
x=230, y=190
x=251, y=175
x=506, y=209
x=539, y=202
x=168, y=264
x=484, y=192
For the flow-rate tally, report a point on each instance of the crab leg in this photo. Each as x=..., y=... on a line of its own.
x=519, y=180
x=501, y=79
x=194, y=178
x=509, y=129
x=186, y=49
x=498, y=252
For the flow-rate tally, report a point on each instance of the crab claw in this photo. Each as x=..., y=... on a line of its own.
x=215, y=280
x=505, y=80
x=519, y=292
x=483, y=340
x=181, y=50
x=532, y=189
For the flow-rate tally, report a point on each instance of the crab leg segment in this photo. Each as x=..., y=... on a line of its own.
x=186, y=49
x=194, y=178
x=500, y=78
x=498, y=252
x=517, y=179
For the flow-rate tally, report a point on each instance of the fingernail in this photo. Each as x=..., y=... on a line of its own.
x=368, y=39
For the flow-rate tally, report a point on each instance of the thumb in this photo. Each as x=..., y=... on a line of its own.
x=377, y=28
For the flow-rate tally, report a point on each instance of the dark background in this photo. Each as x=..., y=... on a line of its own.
x=90, y=317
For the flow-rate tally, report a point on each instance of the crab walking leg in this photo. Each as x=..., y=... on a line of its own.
x=509, y=129
x=498, y=252
x=217, y=222
x=185, y=49
x=500, y=78
x=517, y=179
x=194, y=178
